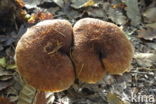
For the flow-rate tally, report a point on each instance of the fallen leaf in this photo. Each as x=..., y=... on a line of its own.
x=147, y=34
x=53, y=10
x=77, y=4
x=88, y=3
x=96, y=12
x=133, y=12
x=4, y=85
x=27, y=95
x=119, y=5
x=72, y=14
x=145, y=59
x=20, y=3
x=1, y=48
x=31, y=3
x=151, y=25
x=152, y=45
x=3, y=62
x=117, y=16
x=4, y=100
x=11, y=66
x=39, y=16
x=5, y=73
x=13, y=98
x=60, y=3
x=6, y=78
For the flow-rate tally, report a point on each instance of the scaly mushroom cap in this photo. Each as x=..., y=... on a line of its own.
x=100, y=47
x=41, y=55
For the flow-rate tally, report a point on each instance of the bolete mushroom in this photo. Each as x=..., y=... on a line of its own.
x=44, y=98
x=42, y=55
x=41, y=98
x=100, y=47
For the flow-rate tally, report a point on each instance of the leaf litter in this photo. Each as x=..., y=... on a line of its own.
x=135, y=17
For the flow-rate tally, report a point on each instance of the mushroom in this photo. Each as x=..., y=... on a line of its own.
x=41, y=98
x=44, y=98
x=99, y=47
x=42, y=55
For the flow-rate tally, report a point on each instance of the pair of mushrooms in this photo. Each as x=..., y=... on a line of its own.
x=45, y=60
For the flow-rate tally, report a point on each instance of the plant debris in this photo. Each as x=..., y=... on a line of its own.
x=136, y=17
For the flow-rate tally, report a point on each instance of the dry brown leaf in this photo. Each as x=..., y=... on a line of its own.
x=133, y=11
x=82, y=3
x=119, y=5
x=4, y=101
x=20, y=3
x=3, y=62
x=150, y=14
x=147, y=34
x=117, y=16
x=27, y=95
x=151, y=25
x=39, y=16
x=88, y=3
x=4, y=85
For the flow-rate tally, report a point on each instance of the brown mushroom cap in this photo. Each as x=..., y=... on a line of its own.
x=41, y=55
x=100, y=47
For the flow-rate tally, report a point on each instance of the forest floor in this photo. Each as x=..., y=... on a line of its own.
x=137, y=18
